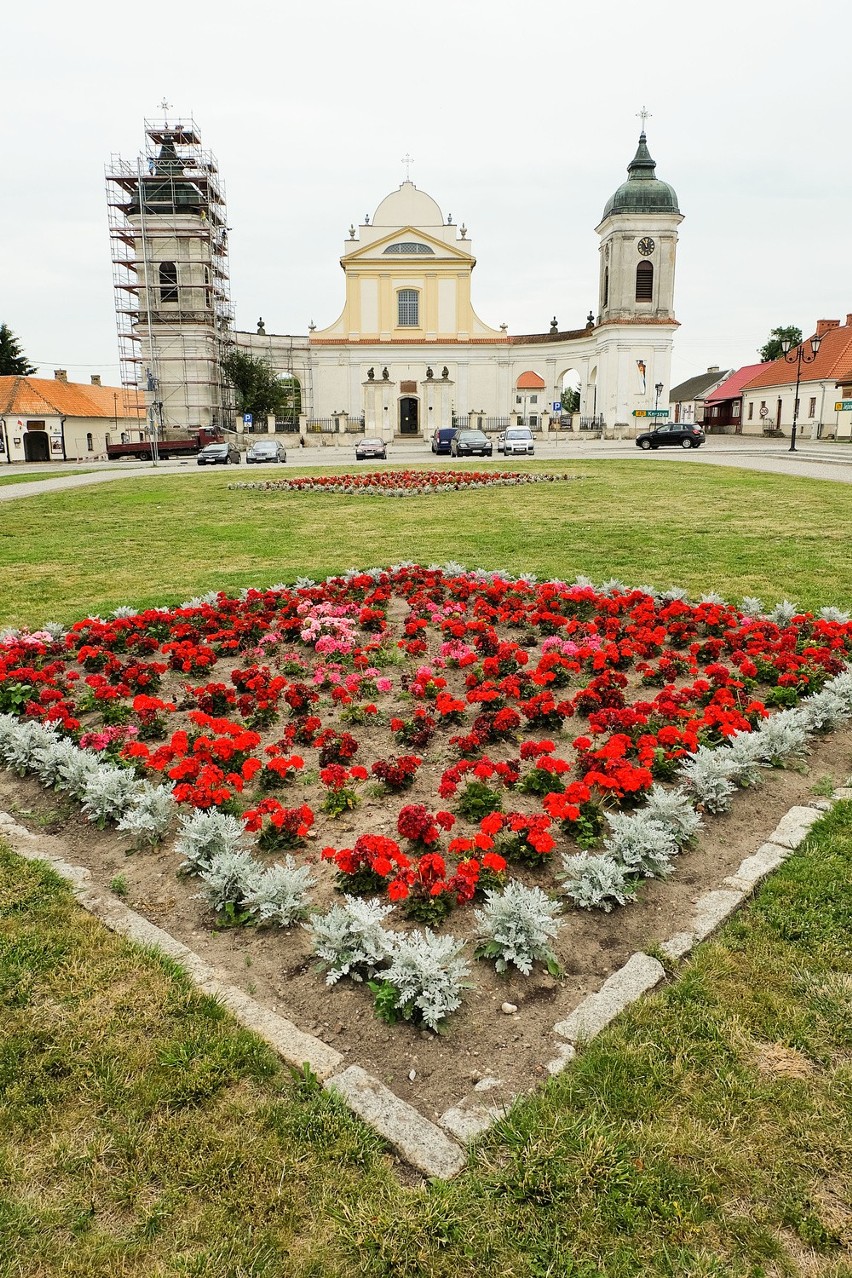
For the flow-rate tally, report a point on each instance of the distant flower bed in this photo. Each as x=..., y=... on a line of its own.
x=483, y=740
x=405, y=483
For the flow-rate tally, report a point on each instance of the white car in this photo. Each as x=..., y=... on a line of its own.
x=518, y=439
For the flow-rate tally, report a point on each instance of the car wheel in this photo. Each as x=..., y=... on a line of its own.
x=645, y=444
x=686, y=443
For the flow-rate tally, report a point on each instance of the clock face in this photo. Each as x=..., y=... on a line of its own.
x=646, y=246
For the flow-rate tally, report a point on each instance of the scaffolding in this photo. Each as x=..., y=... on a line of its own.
x=169, y=247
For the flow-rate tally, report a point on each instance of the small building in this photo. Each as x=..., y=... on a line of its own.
x=723, y=407
x=769, y=399
x=687, y=399
x=43, y=420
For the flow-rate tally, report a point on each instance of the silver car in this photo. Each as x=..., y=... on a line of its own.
x=518, y=439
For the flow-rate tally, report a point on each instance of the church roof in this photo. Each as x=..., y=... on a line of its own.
x=408, y=207
x=46, y=397
x=643, y=192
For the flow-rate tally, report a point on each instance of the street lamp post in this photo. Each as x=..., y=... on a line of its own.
x=798, y=357
x=659, y=389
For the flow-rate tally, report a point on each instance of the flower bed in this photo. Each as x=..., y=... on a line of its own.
x=405, y=483
x=460, y=746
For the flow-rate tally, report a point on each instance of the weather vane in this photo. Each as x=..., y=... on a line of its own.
x=407, y=160
x=643, y=115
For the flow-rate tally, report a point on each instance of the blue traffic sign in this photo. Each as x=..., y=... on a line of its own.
x=247, y=419
x=557, y=406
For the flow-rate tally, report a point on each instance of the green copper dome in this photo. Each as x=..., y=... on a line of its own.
x=643, y=192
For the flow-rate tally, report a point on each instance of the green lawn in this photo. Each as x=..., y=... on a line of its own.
x=33, y=476
x=163, y=539
x=708, y=1133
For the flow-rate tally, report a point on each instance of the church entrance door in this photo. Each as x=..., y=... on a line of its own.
x=409, y=409
x=36, y=446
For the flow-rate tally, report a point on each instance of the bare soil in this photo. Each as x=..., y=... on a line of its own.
x=480, y=1041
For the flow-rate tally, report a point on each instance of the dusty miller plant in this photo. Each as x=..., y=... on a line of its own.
x=108, y=793
x=782, y=736
x=50, y=758
x=830, y=707
x=204, y=835
x=427, y=976
x=20, y=743
x=350, y=938
x=149, y=815
x=673, y=809
x=640, y=844
x=596, y=882
x=227, y=880
x=516, y=926
x=709, y=775
x=280, y=894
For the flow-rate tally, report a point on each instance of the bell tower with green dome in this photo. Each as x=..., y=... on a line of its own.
x=638, y=246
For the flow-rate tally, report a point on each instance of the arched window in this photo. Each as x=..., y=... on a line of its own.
x=168, y=282
x=644, y=282
x=606, y=287
x=408, y=248
x=408, y=308
x=208, y=292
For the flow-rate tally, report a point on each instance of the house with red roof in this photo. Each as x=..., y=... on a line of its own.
x=44, y=420
x=723, y=407
x=769, y=398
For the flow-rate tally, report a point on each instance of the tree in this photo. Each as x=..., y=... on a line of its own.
x=570, y=400
x=13, y=362
x=772, y=347
x=260, y=391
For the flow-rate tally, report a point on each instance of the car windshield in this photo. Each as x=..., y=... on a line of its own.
x=373, y=443
x=518, y=434
x=471, y=435
x=215, y=448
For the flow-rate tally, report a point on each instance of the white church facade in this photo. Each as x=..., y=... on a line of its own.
x=408, y=352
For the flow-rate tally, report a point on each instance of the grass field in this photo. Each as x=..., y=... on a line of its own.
x=163, y=539
x=709, y=1133
x=29, y=477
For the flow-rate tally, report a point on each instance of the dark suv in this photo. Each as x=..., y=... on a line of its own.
x=467, y=443
x=442, y=439
x=672, y=435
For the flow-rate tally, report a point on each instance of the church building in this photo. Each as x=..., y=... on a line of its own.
x=408, y=353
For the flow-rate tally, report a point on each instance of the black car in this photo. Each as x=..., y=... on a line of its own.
x=470, y=443
x=442, y=439
x=672, y=435
x=266, y=450
x=219, y=455
x=370, y=448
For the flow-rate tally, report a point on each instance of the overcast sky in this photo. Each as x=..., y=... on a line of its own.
x=521, y=118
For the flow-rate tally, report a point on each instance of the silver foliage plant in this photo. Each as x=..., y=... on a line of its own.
x=108, y=793
x=596, y=882
x=20, y=743
x=640, y=844
x=228, y=878
x=709, y=777
x=150, y=814
x=516, y=926
x=428, y=974
x=280, y=894
x=205, y=834
x=351, y=940
x=673, y=809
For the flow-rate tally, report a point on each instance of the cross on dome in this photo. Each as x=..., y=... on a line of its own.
x=644, y=115
x=407, y=160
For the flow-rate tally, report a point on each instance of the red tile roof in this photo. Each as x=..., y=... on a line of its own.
x=833, y=359
x=530, y=381
x=731, y=387
x=50, y=397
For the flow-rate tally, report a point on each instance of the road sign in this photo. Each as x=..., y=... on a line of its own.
x=247, y=419
x=650, y=412
x=557, y=406
x=843, y=405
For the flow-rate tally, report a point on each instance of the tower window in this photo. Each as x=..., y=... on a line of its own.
x=606, y=287
x=644, y=282
x=168, y=282
x=408, y=303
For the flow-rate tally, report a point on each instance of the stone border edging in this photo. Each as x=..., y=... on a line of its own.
x=418, y=1141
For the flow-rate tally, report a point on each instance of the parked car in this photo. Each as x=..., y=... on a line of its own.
x=370, y=448
x=442, y=439
x=267, y=450
x=219, y=455
x=672, y=435
x=469, y=443
x=517, y=439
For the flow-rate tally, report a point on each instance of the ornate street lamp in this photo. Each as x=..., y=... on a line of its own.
x=798, y=357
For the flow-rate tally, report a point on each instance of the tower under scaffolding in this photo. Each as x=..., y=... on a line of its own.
x=169, y=240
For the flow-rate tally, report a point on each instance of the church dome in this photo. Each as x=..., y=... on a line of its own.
x=408, y=207
x=643, y=192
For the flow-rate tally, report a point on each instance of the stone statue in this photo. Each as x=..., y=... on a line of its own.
x=429, y=374
x=554, y=325
x=385, y=374
x=371, y=373
x=445, y=372
x=260, y=327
